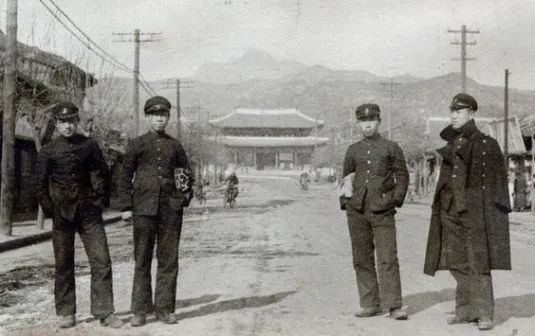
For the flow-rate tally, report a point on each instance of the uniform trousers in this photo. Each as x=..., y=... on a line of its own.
x=375, y=234
x=163, y=231
x=90, y=226
x=474, y=297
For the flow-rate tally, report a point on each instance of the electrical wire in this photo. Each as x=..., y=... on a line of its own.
x=102, y=54
x=86, y=44
x=117, y=63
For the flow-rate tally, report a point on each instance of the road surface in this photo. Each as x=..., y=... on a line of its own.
x=277, y=264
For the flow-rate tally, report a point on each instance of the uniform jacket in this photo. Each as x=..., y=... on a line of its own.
x=486, y=203
x=381, y=174
x=148, y=174
x=69, y=171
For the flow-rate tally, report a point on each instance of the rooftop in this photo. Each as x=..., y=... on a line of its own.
x=266, y=118
x=247, y=141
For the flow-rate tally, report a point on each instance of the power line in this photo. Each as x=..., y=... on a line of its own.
x=88, y=38
x=145, y=88
x=137, y=42
x=464, y=57
x=86, y=44
x=148, y=85
x=113, y=61
x=179, y=85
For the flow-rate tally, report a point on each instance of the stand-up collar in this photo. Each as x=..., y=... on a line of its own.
x=154, y=134
x=75, y=138
x=373, y=137
x=449, y=133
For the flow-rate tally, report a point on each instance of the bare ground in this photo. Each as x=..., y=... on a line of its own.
x=278, y=264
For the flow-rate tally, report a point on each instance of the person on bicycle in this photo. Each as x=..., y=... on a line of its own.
x=303, y=180
x=199, y=190
x=232, y=184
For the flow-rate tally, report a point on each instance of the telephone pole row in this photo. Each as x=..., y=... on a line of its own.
x=390, y=87
x=137, y=41
x=464, y=57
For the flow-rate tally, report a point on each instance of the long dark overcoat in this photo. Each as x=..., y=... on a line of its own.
x=487, y=205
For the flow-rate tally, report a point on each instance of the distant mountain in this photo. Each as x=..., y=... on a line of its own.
x=258, y=65
x=254, y=64
x=332, y=96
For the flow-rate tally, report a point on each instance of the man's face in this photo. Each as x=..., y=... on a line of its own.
x=460, y=117
x=158, y=120
x=369, y=127
x=67, y=127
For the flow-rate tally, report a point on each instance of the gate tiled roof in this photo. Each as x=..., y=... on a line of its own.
x=266, y=118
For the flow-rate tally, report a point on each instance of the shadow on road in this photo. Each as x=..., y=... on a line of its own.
x=421, y=301
x=197, y=301
x=187, y=302
x=521, y=306
x=235, y=304
x=214, y=308
x=258, y=208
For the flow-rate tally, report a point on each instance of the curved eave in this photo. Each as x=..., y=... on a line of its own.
x=265, y=118
x=239, y=141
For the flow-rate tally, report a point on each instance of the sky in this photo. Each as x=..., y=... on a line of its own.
x=384, y=37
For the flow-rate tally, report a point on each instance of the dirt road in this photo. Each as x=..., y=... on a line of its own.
x=278, y=264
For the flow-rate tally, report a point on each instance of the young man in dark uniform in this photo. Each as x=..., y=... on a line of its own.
x=378, y=186
x=469, y=230
x=151, y=193
x=73, y=187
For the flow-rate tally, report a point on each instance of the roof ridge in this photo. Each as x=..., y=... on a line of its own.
x=267, y=118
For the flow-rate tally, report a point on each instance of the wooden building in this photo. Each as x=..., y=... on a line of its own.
x=43, y=79
x=269, y=139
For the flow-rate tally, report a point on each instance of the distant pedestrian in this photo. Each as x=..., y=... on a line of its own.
x=520, y=192
x=380, y=182
x=155, y=186
x=73, y=187
x=469, y=230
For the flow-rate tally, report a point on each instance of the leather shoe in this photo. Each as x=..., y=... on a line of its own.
x=398, y=314
x=485, y=324
x=111, y=321
x=138, y=320
x=167, y=318
x=369, y=312
x=67, y=321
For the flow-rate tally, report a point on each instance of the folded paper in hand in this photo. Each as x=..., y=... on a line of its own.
x=345, y=188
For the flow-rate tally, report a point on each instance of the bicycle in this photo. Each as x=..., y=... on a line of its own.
x=230, y=197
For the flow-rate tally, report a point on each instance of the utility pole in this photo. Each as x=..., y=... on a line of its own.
x=137, y=41
x=464, y=57
x=506, y=121
x=333, y=150
x=9, y=118
x=179, y=85
x=532, y=173
x=390, y=85
x=352, y=127
x=316, y=134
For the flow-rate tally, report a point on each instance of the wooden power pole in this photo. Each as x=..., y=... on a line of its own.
x=390, y=85
x=179, y=85
x=137, y=40
x=464, y=57
x=9, y=120
x=506, y=121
